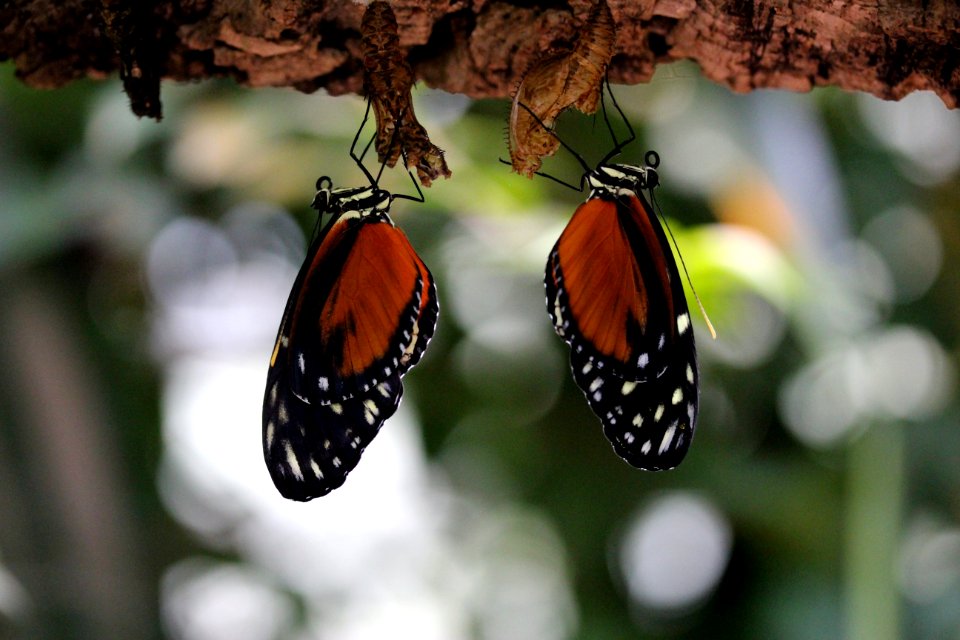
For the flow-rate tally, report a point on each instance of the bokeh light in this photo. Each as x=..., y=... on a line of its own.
x=674, y=552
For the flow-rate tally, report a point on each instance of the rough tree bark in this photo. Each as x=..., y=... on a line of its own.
x=481, y=47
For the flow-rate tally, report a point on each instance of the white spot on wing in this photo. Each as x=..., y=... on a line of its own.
x=282, y=414
x=628, y=438
x=587, y=368
x=658, y=414
x=643, y=360
x=689, y=374
x=628, y=388
x=677, y=396
x=269, y=436
x=596, y=384
x=371, y=407
x=292, y=461
x=637, y=420
x=667, y=438
x=683, y=323
x=323, y=383
x=645, y=449
x=302, y=362
x=316, y=468
x=337, y=408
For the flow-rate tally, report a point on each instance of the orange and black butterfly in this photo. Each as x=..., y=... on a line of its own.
x=615, y=296
x=361, y=312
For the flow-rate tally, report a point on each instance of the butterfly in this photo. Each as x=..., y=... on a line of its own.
x=615, y=296
x=361, y=312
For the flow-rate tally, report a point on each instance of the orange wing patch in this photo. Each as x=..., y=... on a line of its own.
x=605, y=290
x=370, y=299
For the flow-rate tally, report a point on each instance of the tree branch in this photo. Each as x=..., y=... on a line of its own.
x=482, y=47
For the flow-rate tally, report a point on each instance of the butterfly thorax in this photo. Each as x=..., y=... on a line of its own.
x=358, y=201
x=611, y=181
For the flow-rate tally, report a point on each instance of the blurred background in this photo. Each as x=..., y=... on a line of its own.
x=143, y=272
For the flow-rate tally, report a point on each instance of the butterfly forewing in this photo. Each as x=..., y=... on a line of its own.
x=365, y=310
x=613, y=290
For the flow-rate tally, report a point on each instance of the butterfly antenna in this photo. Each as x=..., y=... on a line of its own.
x=383, y=164
x=606, y=118
x=618, y=146
x=363, y=123
x=571, y=150
x=403, y=196
x=353, y=146
x=550, y=177
x=366, y=117
x=369, y=144
x=393, y=139
x=703, y=311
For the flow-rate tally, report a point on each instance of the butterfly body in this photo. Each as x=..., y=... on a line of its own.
x=361, y=311
x=615, y=296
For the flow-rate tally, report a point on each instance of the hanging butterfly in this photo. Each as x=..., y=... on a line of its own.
x=361, y=312
x=615, y=296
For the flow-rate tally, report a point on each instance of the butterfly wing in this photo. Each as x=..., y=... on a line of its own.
x=614, y=294
x=360, y=314
x=310, y=447
x=365, y=309
x=650, y=424
x=613, y=290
